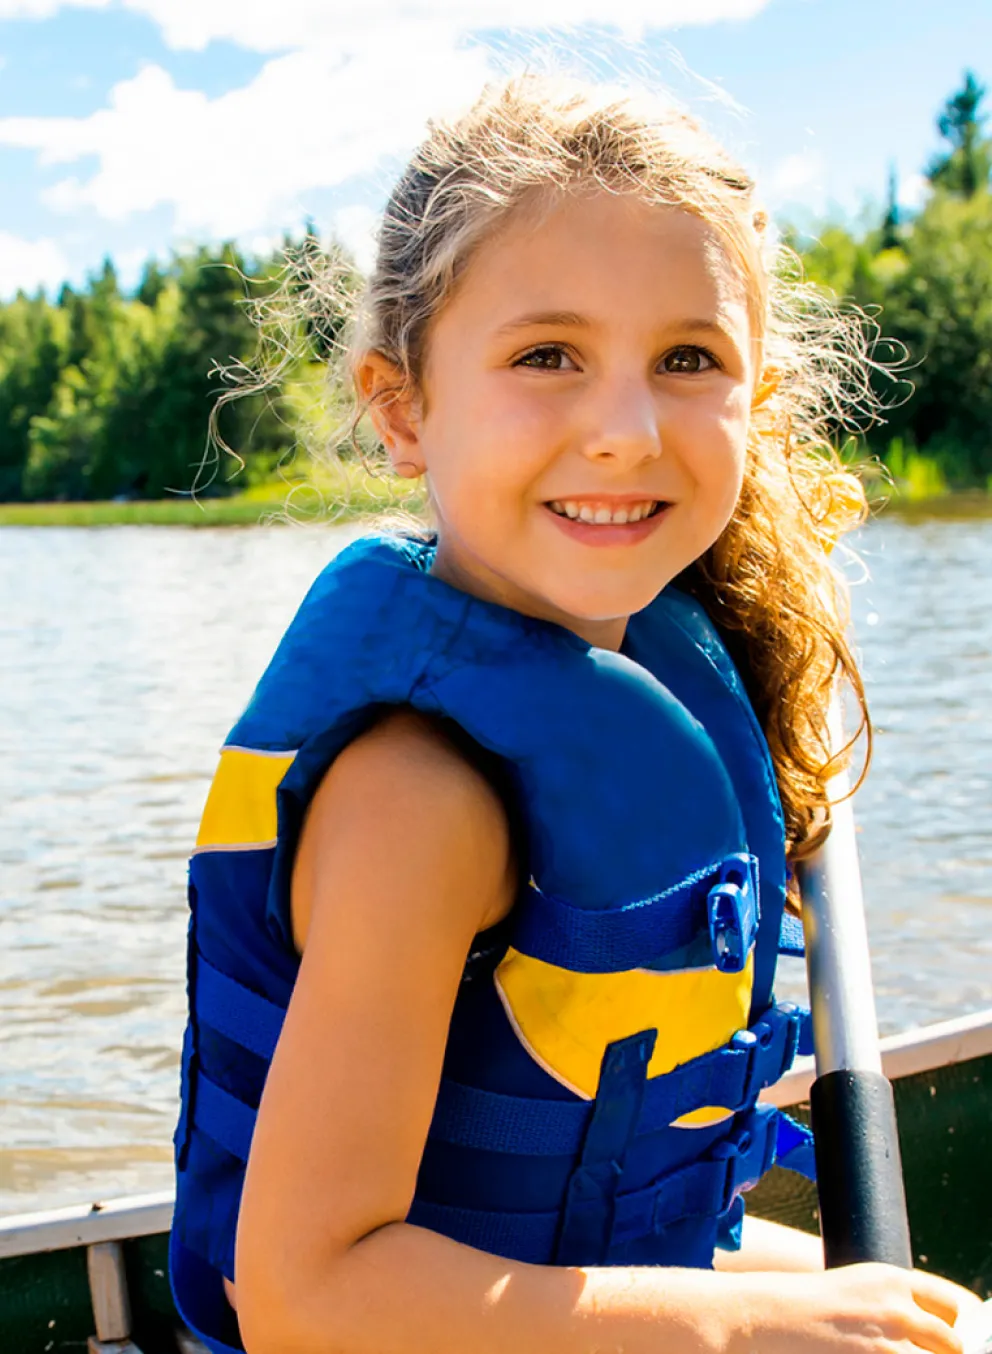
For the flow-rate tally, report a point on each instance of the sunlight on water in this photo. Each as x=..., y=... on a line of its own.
x=125, y=656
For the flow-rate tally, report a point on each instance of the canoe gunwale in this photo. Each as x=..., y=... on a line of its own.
x=903, y=1055
x=84, y=1224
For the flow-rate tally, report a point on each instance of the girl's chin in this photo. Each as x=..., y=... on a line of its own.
x=606, y=611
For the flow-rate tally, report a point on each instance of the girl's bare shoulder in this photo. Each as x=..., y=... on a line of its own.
x=413, y=788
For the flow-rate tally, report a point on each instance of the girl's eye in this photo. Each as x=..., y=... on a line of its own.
x=548, y=357
x=686, y=360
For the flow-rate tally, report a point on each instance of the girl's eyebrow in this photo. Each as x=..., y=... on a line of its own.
x=552, y=318
x=571, y=319
x=703, y=327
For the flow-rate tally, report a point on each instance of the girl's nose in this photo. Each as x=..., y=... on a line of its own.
x=623, y=424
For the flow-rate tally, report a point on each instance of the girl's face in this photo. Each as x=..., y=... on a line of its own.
x=584, y=411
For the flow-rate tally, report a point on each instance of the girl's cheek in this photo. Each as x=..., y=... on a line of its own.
x=532, y=419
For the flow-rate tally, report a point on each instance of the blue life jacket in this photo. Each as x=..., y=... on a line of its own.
x=610, y=1038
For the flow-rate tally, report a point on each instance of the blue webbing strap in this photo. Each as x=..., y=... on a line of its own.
x=608, y=941
x=791, y=941
x=806, y=1048
x=223, y=1117
x=794, y=1147
x=235, y=1011
x=250, y=1021
x=587, y=1220
x=729, y=1077
x=705, y=1188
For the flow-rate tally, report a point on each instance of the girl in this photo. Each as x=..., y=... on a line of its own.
x=488, y=887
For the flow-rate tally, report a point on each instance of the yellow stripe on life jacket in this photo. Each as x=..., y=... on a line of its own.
x=241, y=806
x=565, y=1019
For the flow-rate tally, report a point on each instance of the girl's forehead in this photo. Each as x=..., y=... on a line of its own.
x=603, y=251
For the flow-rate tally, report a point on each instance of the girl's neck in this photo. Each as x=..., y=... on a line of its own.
x=490, y=587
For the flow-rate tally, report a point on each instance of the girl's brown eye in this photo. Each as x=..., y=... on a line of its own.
x=687, y=360
x=545, y=358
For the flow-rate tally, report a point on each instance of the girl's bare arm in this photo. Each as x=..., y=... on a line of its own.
x=770, y=1245
x=404, y=857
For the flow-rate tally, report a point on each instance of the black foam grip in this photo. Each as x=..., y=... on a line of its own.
x=859, y=1171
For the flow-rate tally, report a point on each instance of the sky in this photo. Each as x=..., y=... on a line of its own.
x=130, y=128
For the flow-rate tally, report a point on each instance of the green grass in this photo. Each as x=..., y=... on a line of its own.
x=167, y=512
x=917, y=490
x=912, y=484
x=352, y=495
x=916, y=477
x=954, y=506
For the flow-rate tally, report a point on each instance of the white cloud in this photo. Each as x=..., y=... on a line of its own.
x=44, y=9
x=795, y=173
x=800, y=185
x=279, y=25
x=240, y=162
x=348, y=86
x=356, y=228
x=30, y=264
x=913, y=190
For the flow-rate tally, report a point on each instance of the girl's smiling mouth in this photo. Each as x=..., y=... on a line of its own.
x=604, y=512
x=607, y=520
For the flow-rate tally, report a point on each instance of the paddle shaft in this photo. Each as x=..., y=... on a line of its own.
x=859, y=1171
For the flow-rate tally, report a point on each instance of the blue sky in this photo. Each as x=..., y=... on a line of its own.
x=130, y=127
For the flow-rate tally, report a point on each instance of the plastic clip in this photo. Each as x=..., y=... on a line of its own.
x=731, y=908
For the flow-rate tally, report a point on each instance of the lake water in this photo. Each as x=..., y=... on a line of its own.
x=127, y=652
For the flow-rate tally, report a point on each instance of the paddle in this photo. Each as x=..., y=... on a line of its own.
x=859, y=1172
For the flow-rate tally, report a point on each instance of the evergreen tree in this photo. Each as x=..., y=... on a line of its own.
x=153, y=281
x=889, y=237
x=940, y=306
x=30, y=361
x=963, y=169
x=66, y=436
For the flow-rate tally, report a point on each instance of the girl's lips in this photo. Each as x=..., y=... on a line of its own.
x=608, y=533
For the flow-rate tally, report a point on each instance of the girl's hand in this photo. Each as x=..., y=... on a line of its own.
x=859, y=1309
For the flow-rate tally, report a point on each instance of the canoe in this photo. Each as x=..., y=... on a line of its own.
x=98, y=1274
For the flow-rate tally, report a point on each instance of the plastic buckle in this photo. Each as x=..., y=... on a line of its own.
x=749, y=1152
x=770, y=1044
x=746, y=1041
x=793, y=1026
x=731, y=909
x=778, y=1035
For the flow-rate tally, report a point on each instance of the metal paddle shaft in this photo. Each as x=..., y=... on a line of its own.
x=859, y=1171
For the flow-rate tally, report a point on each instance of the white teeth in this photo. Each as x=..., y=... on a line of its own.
x=601, y=515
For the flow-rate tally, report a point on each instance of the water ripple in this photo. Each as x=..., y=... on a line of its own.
x=125, y=655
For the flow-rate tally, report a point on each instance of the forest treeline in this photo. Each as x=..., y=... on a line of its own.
x=106, y=393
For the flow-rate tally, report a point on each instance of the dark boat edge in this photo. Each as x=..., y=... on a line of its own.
x=65, y=1271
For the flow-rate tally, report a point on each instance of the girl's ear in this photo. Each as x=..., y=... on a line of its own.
x=394, y=409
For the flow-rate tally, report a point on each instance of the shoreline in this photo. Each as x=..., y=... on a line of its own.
x=304, y=506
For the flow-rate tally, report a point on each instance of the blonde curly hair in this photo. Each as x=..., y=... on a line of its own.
x=767, y=582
